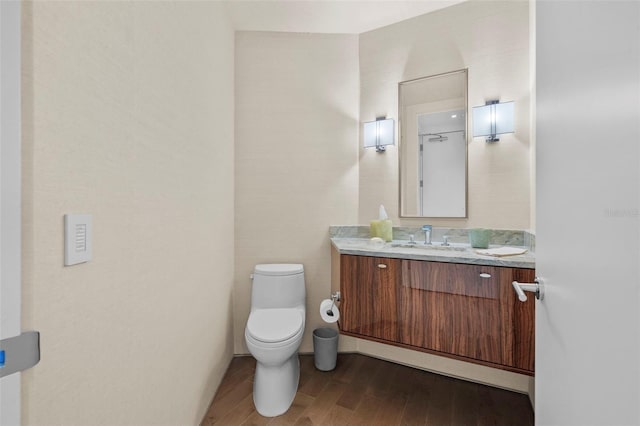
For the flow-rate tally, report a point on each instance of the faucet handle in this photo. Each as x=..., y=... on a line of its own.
x=427, y=234
x=445, y=240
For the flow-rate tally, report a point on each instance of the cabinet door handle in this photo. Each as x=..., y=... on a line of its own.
x=485, y=275
x=382, y=266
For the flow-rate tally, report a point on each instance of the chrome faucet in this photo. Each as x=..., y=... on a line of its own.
x=427, y=234
x=445, y=241
x=412, y=239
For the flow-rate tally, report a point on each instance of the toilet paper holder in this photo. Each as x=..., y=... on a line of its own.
x=335, y=297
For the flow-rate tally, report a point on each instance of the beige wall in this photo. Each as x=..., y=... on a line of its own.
x=532, y=119
x=490, y=39
x=296, y=158
x=128, y=116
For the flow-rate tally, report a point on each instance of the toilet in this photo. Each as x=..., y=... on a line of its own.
x=273, y=334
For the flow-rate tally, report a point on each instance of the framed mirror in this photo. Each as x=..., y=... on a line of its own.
x=433, y=146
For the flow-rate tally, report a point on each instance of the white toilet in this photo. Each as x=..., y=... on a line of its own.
x=273, y=335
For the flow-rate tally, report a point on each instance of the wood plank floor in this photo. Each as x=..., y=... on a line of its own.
x=368, y=391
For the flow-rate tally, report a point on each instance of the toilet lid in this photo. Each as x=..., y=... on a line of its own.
x=274, y=325
x=278, y=269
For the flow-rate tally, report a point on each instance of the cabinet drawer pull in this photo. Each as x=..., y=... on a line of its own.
x=485, y=275
x=382, y=266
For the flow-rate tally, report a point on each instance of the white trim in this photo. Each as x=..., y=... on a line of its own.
x=10, y=187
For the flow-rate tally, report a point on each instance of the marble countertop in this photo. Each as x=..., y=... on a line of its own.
x=461, y=253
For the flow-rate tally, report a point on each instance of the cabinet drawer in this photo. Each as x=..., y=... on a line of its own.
x=451, y=278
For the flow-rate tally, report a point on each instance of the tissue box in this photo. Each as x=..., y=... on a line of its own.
x=382, y=229
x=479, y=238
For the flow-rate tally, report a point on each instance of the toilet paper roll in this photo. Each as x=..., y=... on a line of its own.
x=328, y=313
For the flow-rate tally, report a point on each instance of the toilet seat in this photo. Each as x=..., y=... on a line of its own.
x=274, y=325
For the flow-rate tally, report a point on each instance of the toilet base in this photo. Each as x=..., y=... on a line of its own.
x=275, y=387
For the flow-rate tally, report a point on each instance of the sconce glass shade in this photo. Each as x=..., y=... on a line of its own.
x=493, y=119
x=379, y=134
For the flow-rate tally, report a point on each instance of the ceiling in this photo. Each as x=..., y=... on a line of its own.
x=326, y=16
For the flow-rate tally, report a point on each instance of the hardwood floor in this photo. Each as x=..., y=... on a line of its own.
x=368, y=391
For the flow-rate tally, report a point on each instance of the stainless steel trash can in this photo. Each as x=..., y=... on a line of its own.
x=325, y=348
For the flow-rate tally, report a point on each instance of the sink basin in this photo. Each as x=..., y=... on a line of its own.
x=420, y=246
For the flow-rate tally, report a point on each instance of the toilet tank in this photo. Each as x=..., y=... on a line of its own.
x=278, y=285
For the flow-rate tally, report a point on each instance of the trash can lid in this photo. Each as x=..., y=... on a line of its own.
x=325, y=333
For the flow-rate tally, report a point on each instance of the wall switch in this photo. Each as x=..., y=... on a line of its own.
x=77, y=238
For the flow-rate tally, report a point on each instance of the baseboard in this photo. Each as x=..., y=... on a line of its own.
x=461, y=370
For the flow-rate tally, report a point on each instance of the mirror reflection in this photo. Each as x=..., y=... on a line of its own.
x=433, y=146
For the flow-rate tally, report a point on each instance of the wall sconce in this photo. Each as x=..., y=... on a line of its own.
x=493, y=119
x=379, y=133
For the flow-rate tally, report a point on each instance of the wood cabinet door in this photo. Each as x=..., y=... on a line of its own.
x=456, y=309
x=524, y=323
x=369, y=288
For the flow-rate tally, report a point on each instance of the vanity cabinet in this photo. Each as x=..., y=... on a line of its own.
x=463, y=311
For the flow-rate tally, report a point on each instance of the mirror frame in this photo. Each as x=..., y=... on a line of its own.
x=401, y=212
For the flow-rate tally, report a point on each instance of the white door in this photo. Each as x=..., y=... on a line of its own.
x=588, y=217
x=10, y=296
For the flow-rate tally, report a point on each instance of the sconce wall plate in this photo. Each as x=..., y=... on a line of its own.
x=379, y=133
x=494, y=118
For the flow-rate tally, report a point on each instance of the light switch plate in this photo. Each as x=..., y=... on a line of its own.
x=77, y=238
